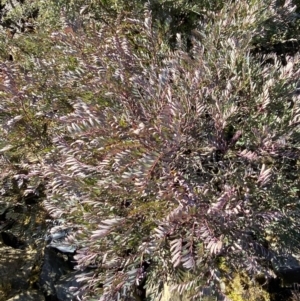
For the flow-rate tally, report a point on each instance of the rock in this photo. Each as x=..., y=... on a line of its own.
x=53, y=268
x=11, y=240
x=16, y=270
x=289, y=276
x=29, y=268
x=63, y=292
x=56, y=276
x=21, y=250
x=64, y=248
x=30, y=295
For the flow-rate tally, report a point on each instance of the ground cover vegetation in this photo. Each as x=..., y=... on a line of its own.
x=161, y=135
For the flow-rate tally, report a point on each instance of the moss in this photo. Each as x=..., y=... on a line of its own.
x=241, y=288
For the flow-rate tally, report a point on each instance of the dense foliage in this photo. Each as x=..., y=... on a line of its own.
x=174, y=156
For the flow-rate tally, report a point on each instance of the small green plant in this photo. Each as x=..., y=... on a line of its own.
x=241, y=288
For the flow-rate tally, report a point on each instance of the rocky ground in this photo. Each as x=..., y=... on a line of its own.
x=31, y=265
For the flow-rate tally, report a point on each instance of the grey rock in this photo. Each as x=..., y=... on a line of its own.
x=53, y=268
x=64, y=248
x=63, y=292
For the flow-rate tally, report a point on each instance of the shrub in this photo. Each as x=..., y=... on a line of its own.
x=162, y=161
x=177, y=158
